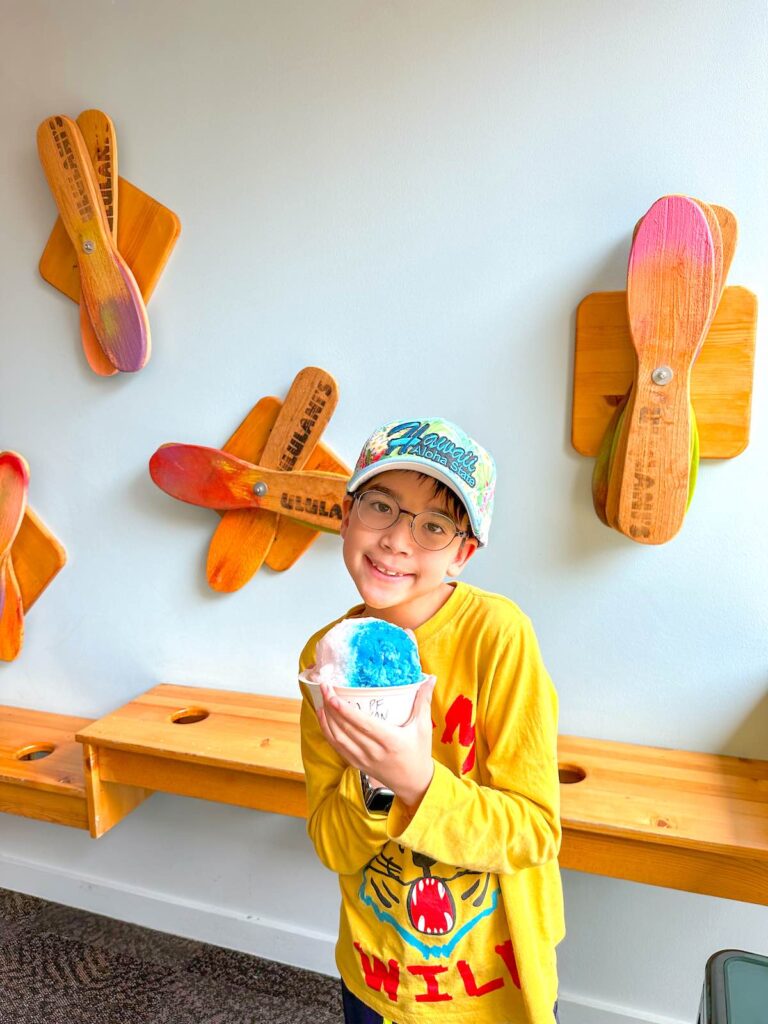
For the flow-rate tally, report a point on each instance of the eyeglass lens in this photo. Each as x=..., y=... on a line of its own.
x=431, y=530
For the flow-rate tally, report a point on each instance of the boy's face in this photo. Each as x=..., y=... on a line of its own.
x=397, y=579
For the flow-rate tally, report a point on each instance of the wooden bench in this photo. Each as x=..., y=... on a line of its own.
x=235, y=748
x=665, y=817
x=697, y=822
x=673, y=818
x=41, y=766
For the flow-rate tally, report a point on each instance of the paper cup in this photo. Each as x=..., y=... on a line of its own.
x=390, y=704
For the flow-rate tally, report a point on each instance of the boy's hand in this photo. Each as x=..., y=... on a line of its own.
x=400, y=757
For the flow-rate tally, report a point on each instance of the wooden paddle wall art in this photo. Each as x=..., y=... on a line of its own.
x=30, y=556
x=273, y=481
x=110, y=243
x=663, y=372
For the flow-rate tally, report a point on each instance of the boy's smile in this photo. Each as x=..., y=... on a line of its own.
x=399, y=580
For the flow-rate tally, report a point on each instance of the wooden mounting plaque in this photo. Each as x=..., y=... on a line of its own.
x=721, y=380
x=50, y=788
x=37, y=557
x=146, y=234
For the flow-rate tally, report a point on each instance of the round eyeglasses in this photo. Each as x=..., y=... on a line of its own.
x=431, y=530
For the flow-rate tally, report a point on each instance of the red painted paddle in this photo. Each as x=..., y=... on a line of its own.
x=215, y=479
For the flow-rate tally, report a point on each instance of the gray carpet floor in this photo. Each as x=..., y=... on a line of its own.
x=65, y=966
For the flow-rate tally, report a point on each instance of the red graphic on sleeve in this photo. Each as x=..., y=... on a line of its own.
x=459, y=716
x=378, y=976
x=433, y=994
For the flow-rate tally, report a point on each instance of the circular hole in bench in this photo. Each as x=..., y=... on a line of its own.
x=34, y=752
x=188, y=715
x=570, y=773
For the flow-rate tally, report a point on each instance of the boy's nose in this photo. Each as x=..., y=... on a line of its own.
x=398, y=536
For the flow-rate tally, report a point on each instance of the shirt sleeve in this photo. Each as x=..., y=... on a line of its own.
x=345, y=836
x=511, y=820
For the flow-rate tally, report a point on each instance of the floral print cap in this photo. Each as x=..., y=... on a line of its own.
x=441, y=450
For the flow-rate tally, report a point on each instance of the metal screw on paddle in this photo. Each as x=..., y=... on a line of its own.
x=89, y=246
x=260, y=489
x=662, y=375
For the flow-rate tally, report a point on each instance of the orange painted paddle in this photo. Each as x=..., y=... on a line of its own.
x=243, y=537
x=729, y=232
x=14, y=484
x=215, y=479
x=109, y=291
x=99, y=136
x=670, y=297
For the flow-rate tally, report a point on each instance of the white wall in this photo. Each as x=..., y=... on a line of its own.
x=414, y=194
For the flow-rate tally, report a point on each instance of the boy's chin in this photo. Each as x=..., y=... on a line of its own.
x=374, y=598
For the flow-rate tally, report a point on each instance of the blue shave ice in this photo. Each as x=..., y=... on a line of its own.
x=367, y=652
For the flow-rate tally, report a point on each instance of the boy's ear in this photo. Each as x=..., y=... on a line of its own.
x=463, y=555
x=346, y=511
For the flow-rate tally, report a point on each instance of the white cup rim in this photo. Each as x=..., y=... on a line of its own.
x=304, y=678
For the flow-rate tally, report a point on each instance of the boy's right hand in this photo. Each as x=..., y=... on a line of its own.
x=398, y=757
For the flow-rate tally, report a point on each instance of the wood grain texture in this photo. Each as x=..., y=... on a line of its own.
x=108, y=802
x=101, y=142
x=259, y=792
x=292, y=539
x=710, y=874
x=113, y=300
x=246, y=731
x=147, y=232
x=670, y=296
x=243, y=538
x=721, y=380
x=729, y=234
x=51, y=788
x=215, y=479
x=38, y=556
x=11, y=612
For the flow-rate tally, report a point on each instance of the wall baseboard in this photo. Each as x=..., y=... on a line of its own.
x=579, y=1009
x=222, y=926
x=205, y=922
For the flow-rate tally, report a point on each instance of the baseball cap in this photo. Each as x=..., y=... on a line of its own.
x=441, y=450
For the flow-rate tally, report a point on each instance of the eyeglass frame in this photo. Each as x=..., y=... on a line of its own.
x=413, y=515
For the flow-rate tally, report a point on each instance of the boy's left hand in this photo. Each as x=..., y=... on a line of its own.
x=400, y=757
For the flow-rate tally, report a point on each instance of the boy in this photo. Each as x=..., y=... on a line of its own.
x=444, y=832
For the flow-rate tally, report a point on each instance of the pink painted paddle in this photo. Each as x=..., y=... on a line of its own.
x=670, y=295
x=109, y=291
x=14, y=483
x=99, y=137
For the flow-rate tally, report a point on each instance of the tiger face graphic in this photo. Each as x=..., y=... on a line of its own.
x=431, y=906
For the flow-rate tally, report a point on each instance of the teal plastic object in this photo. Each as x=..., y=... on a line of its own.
x=735, y=989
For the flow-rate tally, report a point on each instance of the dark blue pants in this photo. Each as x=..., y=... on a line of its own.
x=356, y=1012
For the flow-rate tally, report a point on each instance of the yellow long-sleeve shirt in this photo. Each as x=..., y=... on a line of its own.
x=460, y=905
